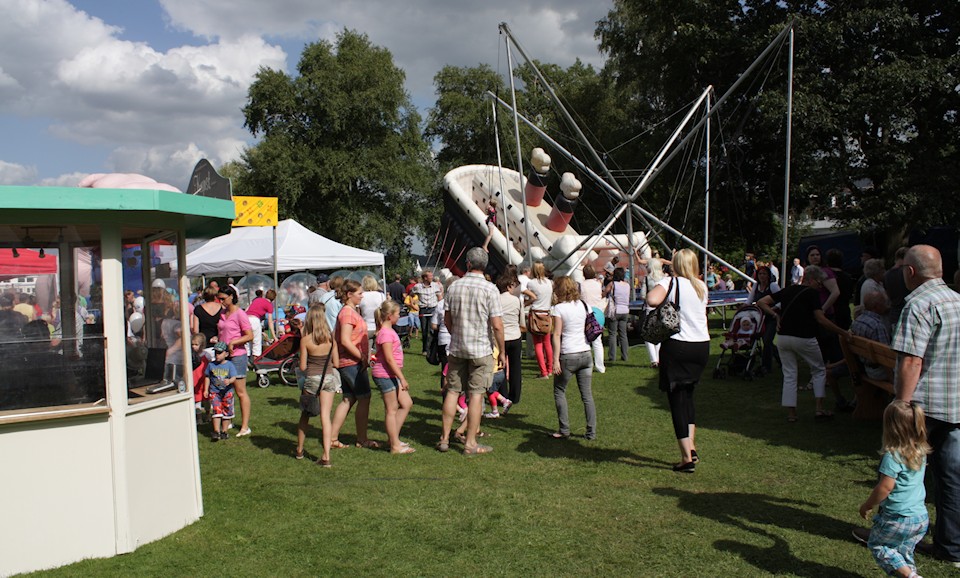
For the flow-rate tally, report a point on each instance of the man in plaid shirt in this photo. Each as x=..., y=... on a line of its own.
x=927, y=339
x=472, y=310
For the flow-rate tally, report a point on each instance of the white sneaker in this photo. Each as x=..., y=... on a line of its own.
x=491, y=415
x=507, y=404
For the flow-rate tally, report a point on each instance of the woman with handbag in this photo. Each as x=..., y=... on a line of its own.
x=512, y=308
x=540, y=291
x=318, y=362
x=617, y=293
x=654, y=276
x=571, y=356
x=683, y=356
x=591, y=290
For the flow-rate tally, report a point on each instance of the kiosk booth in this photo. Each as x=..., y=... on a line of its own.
x=98, y=439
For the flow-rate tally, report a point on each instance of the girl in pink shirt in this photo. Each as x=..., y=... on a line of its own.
x=388, y=375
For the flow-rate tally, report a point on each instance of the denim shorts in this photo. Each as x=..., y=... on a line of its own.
x=499, y=380
x=354, y=381
x=386, y=384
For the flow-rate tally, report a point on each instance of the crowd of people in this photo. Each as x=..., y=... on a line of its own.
x=478, y=324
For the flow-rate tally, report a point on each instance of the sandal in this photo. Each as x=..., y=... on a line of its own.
x=338, y=444
x=404, y=450
x=459, y=437
x=443, y=447
x=477, y=449
x=791, y=419
x=299, y=455
x=823, y=416
x=324, y=463
x=559, y=436
x=369, y=444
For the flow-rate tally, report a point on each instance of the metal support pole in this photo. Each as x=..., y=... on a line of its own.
x=516, y=133
x=786, y=179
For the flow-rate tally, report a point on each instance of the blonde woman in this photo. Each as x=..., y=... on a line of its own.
x=540, y=292
x=684, y=356
x=318, y=362
x=369, y=304
x=572, y=356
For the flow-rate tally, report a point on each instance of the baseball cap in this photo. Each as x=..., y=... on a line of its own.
x=220, y=347
x=322, y=278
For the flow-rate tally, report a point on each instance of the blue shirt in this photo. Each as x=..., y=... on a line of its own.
x=217, y=372
x=908, y=493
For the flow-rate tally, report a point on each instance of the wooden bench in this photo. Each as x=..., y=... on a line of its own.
x=873, y=395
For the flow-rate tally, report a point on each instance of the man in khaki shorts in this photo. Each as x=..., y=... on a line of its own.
x=472, y=311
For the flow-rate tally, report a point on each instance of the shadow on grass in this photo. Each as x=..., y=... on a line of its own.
x=538, y=441
x=752, y=409
x=748, y=510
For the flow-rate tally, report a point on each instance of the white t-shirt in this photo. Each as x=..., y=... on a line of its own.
x=693, y=310
x=369, y=303
x=591, y=292
x=543, y=289
x=572, y=337
x=443, y=336
x=512, y=316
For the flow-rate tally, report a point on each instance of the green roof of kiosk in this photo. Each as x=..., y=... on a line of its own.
x=202, y=217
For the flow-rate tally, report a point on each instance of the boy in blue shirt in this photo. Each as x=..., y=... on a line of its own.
x=218, y=386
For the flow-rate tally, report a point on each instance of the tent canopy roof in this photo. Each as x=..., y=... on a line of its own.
x=250, y=249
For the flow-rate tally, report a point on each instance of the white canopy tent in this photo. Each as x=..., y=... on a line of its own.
x=251, y=249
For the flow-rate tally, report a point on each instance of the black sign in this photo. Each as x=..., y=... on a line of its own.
x=206, y=182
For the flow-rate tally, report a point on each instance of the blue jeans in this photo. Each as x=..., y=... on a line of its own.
x=581, y=365
x=354, y=381
x=944, y=467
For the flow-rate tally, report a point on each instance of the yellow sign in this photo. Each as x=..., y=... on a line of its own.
x=256, y=212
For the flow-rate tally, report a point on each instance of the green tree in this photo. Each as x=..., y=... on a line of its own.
x=341, y=147
x=875, y=140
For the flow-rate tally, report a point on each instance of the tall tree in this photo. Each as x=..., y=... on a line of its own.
x=341, y=147
x=875, y=111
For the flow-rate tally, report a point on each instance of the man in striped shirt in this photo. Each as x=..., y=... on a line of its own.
x=472, y=310
x=927, y=339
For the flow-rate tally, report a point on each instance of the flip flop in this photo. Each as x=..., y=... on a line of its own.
x=404, y=450
x=324, y=463
x=369, y=444
x=559, y=436
x=477, y=449
x=299, y=455
x=823, y=416
x=338, y=444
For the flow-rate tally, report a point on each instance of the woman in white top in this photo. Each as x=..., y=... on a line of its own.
x=684, y=356
x=540, y=291
x=440, y=329
x=618, y=291
x=512, y=308
x=572, y=356
x=591, y=291
x=654, y=276
x=372, y=299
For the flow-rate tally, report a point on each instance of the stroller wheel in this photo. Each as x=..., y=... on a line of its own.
x=405, y=342
x=288, y=370
x=263, y=380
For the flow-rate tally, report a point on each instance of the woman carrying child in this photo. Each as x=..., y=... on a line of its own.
x=388, y=375
x=318, y=362
x=901, y=519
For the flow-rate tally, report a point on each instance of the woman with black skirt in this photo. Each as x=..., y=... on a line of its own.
x=683, y=356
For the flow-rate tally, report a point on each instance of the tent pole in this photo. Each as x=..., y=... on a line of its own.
x=276, y=283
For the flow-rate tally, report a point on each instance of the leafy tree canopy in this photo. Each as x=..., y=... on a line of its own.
x=341, y=146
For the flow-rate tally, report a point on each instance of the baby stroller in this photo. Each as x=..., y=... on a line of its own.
x=282, y=355
x=744, y=343
x=403, y=327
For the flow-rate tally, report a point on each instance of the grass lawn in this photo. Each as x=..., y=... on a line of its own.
x=769, y=497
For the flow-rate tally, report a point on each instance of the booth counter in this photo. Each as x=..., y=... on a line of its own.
x=97, y=425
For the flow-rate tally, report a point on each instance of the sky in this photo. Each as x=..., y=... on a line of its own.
x=153, y=86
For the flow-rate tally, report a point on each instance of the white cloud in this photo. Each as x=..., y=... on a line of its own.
x=14, y=174
x=65, y=180
x=153, y=107
x=422, y=35
x=156, y=108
